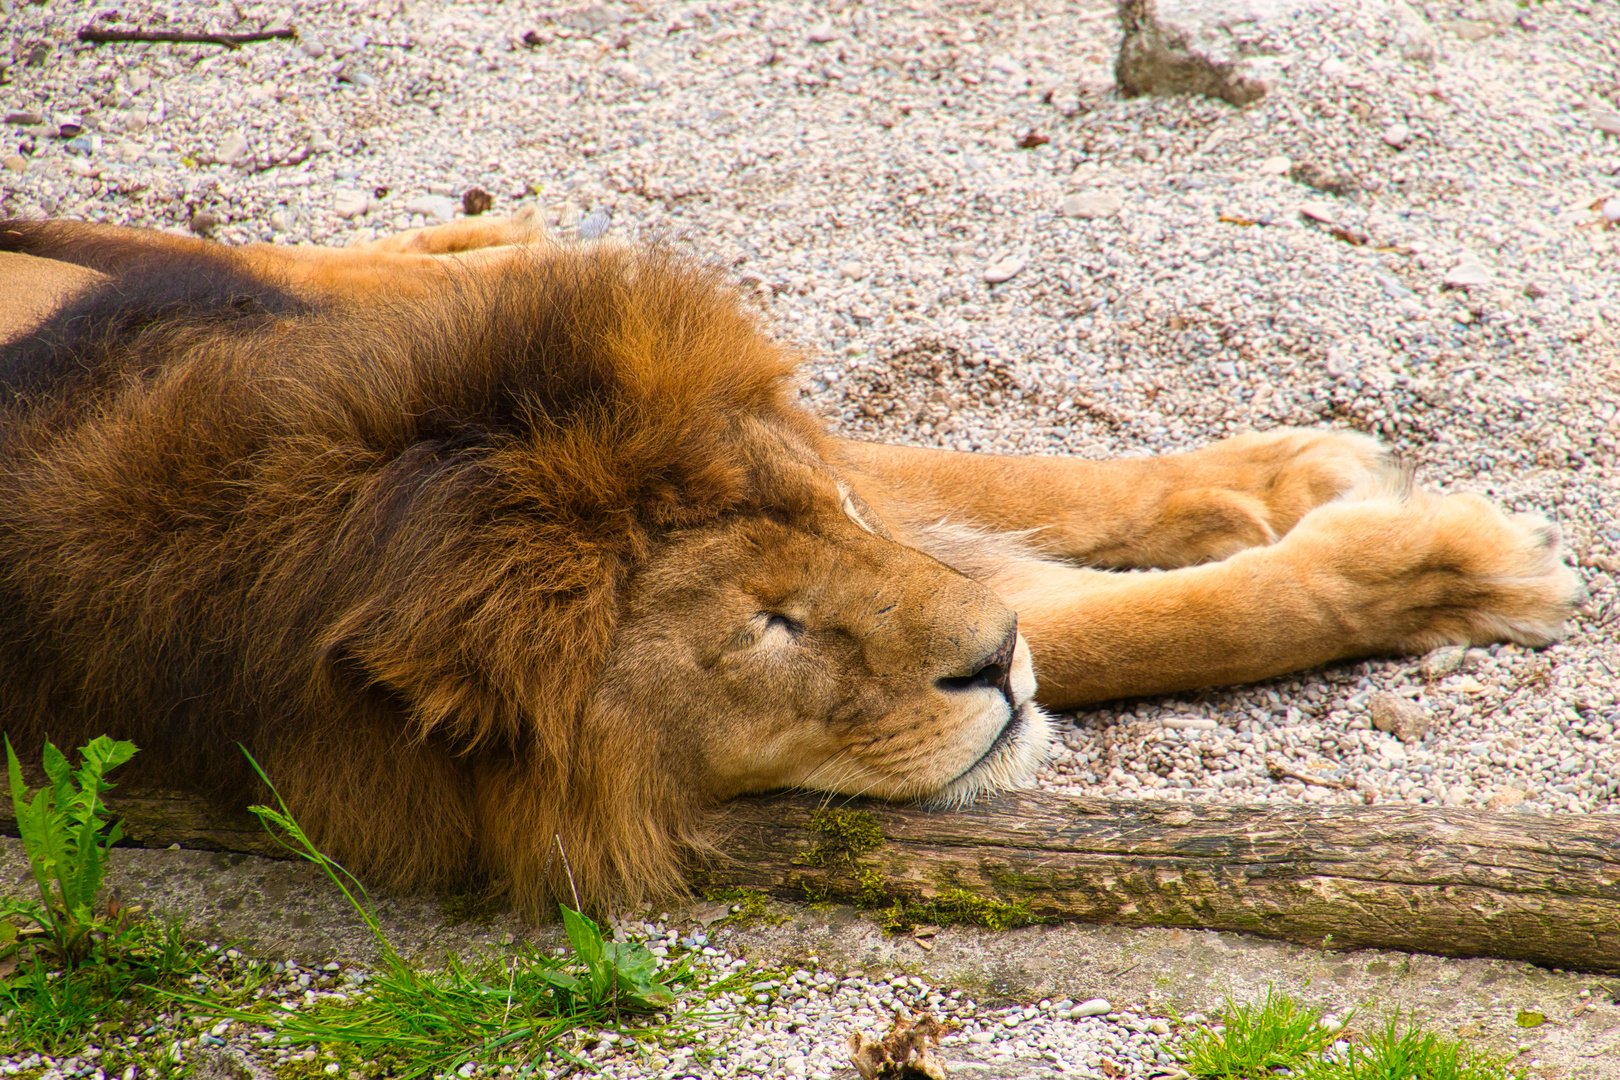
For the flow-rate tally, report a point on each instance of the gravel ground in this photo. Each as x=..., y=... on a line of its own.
x=980, y=247
x=794, y=1024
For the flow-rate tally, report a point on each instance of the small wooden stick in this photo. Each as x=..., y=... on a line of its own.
x=1279, y=771
x=229, y=41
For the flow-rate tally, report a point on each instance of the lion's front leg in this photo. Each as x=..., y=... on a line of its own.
x=1387, y=573
x=1164, y=512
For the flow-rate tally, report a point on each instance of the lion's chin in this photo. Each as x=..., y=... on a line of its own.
x=1018, y=752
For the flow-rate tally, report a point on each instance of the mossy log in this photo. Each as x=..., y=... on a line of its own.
x=1452, y=882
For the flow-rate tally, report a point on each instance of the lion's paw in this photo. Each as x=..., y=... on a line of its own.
x=1418, y=570
x=1527, y=591
x=526, y=225
x=1291, y=472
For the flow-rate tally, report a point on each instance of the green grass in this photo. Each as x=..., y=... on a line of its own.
x=1277, y=1033
x=1279, y=1037
x=53, y=1010
x=147, y=995
x=1404, y=1051
x=516, y=1010
x=498, y=1011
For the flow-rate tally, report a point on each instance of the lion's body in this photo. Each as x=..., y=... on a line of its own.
x=493, y=557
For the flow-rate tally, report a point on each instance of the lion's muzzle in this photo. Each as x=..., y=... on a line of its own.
x=993, y=671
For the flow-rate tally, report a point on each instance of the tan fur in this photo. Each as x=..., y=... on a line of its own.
x=512, y=558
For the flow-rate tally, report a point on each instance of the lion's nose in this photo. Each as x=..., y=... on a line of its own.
x=992, y=672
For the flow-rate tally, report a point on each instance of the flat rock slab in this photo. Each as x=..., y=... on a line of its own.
x=1236, y=50
x=276, y=908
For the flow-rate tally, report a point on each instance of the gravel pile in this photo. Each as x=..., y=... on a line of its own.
x=981, y=248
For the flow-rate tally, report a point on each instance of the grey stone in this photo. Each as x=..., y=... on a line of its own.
x=1392, y=286
x=1606, y=122
x=226, y=1063
x=1004, y=269
x=1319, y=211
x=25, y=119
x=1341, y=363
x=1471, y=29
x=1468, y=273
x=1234, y=50
x=348, y=204
x=441, y=208
x=597, y=17
x=1442, y=661
x=1406, y=720
x=232, y=148
x=1094, y=1007
x=1397, y=135
x=594, y=224
x=1191, y=47
x=1088, y=205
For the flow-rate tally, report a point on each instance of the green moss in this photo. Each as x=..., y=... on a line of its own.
x=844, y=836
x=955, y=907
x=755, y=905
x=870, y=891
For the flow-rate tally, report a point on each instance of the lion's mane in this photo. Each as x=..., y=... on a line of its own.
x=383, y=549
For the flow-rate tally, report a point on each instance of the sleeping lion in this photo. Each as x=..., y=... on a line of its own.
x=492, y=549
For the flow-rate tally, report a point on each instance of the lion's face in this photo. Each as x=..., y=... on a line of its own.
x=799, y=645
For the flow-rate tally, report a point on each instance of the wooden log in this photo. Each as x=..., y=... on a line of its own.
x=1452, y=882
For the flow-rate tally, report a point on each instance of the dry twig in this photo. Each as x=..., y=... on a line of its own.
x=229, y=41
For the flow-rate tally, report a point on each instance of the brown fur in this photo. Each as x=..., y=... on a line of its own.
x=446, y=525
x=497, y=554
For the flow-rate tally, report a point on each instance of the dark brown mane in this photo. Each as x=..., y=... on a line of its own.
x=259, y=516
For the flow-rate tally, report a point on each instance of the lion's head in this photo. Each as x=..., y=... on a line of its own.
x=521, y=580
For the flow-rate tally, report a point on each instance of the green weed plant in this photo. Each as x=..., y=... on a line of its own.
x=66, y=840
x=1279, y=1037
x=72, y=959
